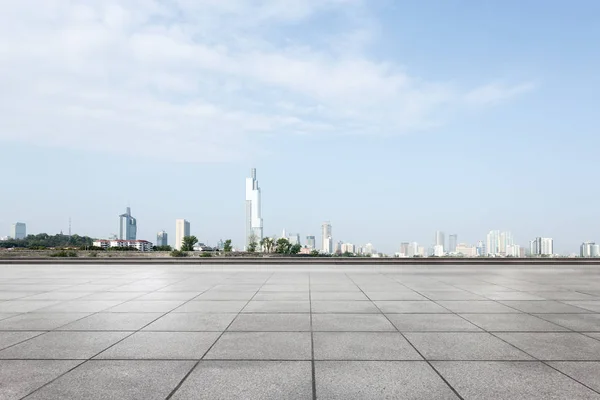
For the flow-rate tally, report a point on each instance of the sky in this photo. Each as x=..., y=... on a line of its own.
x=390, y=119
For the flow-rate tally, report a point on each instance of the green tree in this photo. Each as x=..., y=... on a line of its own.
x=162, y=248
x=252, y=244
x=227, y=248
x=295, y=249
x=267, y=244
x=283, y=246
x=188, y=243
x=178, y=253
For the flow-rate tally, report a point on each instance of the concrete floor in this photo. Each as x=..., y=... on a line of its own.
x=299, y=332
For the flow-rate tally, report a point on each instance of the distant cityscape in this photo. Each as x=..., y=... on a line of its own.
x=496, y=243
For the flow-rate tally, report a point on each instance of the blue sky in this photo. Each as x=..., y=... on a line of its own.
x=390, y=119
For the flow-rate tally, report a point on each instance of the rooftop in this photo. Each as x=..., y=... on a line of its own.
x=299, y=332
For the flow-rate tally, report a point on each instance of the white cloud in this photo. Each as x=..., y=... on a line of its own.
x=201, y=80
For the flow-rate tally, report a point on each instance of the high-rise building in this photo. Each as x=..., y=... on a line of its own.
x=480, y=249
x=589, y=249
x=293, y=238
x=541, y=247
x=162, y=239
x=368, y=249
x=404, y=248
x=348, y=248
x=595, y=250
x=492, y=247
x=182, y=229
x=311, y=242
x=466, y=250
x=254, y=222
x=452, y=242
x=505, y=240
x=127, y=226
x=327, y=239
x=338, y=247
x=440, y=240
x=18, y=230
x=438, y=250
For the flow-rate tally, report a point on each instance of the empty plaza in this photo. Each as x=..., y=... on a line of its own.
x=106, y=331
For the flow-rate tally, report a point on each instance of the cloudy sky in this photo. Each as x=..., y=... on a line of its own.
x=390, y=119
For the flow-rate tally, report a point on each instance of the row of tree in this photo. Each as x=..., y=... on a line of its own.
x=43, y=241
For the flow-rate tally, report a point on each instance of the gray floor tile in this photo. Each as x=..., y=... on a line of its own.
x=11, y=338
x=248, y=380
x=363, y=346
x=147, y=306
x=485, y=307
x=39, y=321
x=555, y=346
x=586, y=372
x=431, y=323
x=226, y=296
x=185, y=296
x=586, y=305
x=277, y=306
x=557, y=295
x=23, y=306
x=262, y=346
x=271, y=322
x=332, y=296
x=513, y=296
x=191, y=322
x=279, y=296
x=214, y=306
x=404, y=295
x=417, y=307
x=57, y=296
x=362, y=380
x=80, y=306
x=346, y=306
x=450, y=295
x=8, y=315
x=463, y=346
x=63, y=345
x=112, y=322
x=547, y=306
x=576, y=322
x=18, y=378
x=511, y=322
x=162, y=346
x=108, y=296
x=510, y=381
x=351, y=322
x=117, y=380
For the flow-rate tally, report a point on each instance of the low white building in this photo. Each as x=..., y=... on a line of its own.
x=141, y=245
x=438, y=250
x=466, y=250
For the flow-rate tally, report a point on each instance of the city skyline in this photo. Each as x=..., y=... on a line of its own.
x=351, y=121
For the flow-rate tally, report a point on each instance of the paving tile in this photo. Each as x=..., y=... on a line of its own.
x=586, y=372
x=576, y=322
x=450, y=295
x=513, y=296
x=212, y=306
x=112, y=322
x=547, y=306
x=351, y=322
x=344, y=307
x=20, y=377
x=512, y=322
x=557, y=295
x=248, y=380
x=191, y=322
x=10, y=338
x=162, y=346
x=185, y=296
x=418, y=307
x=555, y=346
x=63, y=345
x=330, y=296
x=349, y=380
x=363, y=346
x=511, y=380
x=405, y=295
x=277, y=306
x=271, y=322
x=107, y=296
x=8, y=315
x=19, y=295
x=262, y=346
x=147, y=306
x=23, y=306
x=431, y=323
x=57, y=296
x=226, y=296
x=463, y=346
x=485, y=307
x=41, y=321
x=586, y=305
x=117, y=380
x=80, y=306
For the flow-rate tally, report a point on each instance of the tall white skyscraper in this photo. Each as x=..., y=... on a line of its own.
x=127, y=226
x=493, y=243
x=182, y=229
x=162, y=239
x=541, y=247
x=327, y=239
x=18, y=230
x=254, y=222
x=452, y=242
x=440, y=239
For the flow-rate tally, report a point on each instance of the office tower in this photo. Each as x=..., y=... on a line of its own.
x=182, y=229
x=348, y=248
x=294, y=238
x=311, y=242
x=586, y=249
x=162, y=239
x=504, y=241
x=327, y=239
x=127, y=226
x=368, y=249
x=595, y=250
x=413, y=249
x=438, y=250
x=480, y=249
x=452, y=241
x=254, y=222
x=404, y=248
x=440, y=239
x=541, y=247
x=338, y=247
x=493, y=243
x=512, y=250
x=18, y=230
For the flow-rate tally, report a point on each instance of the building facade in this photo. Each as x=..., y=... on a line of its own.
x=311, y=242
x=254, y=222
x=541, y=247
x=182, y=229
x=452, y=242
x=127, y=226
x=162, y=239
x=326, y=238
x=466, y=250
x=141, y=245
x=18, y=230
x=589, y=249
x=440, y=239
